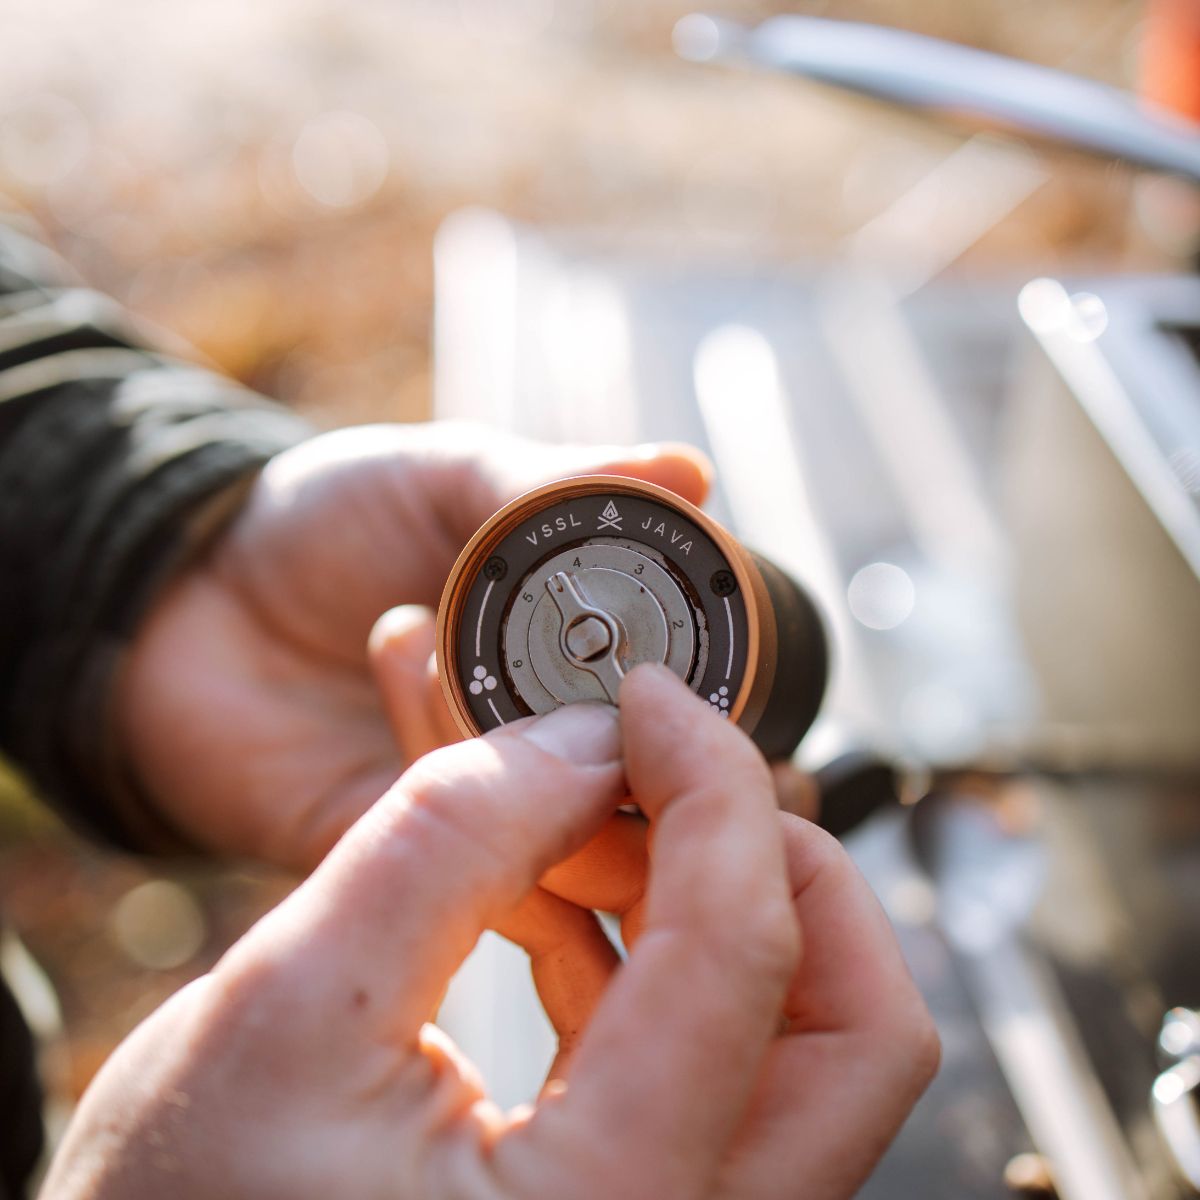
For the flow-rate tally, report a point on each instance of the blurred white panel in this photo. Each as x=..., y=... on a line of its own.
x=491, y=1010
x=745, y=414
x=475, y=335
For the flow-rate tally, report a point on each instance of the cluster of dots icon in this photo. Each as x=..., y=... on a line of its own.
x=718, y=701
x=481, y=682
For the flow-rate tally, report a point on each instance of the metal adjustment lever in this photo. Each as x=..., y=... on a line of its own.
x=590, y=637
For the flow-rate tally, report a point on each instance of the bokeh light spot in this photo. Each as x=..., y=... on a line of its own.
x=881, y=596
x=340, y=159
x=158, y=925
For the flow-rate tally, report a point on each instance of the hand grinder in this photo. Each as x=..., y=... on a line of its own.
x=569, y=587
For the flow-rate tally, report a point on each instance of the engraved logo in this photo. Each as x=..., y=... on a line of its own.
x=610, y=518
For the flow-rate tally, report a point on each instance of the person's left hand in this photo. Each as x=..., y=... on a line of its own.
x=251, y=708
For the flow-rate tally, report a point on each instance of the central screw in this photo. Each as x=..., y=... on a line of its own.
x=588, y=639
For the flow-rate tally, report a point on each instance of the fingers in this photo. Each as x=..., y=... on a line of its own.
x=666, y=1066
x=374, y=934
x=861, y=1046
x=852, y=962
x=571, y=959
x=479, y=469
x=400, y=649
x=672, y=465
x=610, y=872
x=676, y=466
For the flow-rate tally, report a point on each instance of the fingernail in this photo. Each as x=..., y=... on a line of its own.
x=586, y=734
x=663, y=674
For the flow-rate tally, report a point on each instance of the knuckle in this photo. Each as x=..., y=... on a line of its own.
x=821, y=849
x=239, y=1011
x=926, y=1048
x=455, y=813
x=911, y=1030
x=813, y=851
x=766, y=947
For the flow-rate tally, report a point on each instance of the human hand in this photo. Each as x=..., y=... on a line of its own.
x=251, y=708
x=763, y=1040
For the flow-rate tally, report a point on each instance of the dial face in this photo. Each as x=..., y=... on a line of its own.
x=583, y=587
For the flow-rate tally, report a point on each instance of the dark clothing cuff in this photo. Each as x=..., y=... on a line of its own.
x=116, y=466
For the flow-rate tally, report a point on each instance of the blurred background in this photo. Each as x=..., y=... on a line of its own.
x=536, y=212
x=268, y=183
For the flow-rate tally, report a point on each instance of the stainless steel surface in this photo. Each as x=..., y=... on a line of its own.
x=588, y=638
x=622, y=591
x=575, y=608
x=989, y=868
x=1125, y=349
x=1176, y=1096
x=960, y=81
x=1105, y=516
x=1176, y=1092
x=1046, y=966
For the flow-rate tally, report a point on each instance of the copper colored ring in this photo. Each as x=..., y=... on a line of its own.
x=758, y=684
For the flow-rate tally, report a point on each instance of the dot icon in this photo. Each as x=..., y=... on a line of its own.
x=482, y=681
x=718, y=701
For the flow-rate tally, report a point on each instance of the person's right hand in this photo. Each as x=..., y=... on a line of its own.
x=763, y=1040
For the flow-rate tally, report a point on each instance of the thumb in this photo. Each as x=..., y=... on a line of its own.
x=458, y=841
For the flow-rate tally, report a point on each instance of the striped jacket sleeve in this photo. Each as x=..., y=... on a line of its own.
x=115, y=463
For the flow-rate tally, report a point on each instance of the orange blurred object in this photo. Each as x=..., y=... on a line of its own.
x=1170, y=56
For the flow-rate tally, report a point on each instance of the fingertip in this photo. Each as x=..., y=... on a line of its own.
x=652, y=675
x=650, y=686
x=674, y=742
x=399, y=650
x=676, y=466
x=583, y=734
x=682, y=469
x=399, y=628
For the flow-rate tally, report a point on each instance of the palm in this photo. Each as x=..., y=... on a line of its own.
x=250, y=708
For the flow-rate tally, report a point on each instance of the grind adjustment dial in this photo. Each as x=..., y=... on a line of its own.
x=568, y=588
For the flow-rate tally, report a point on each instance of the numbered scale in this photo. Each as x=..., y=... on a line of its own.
x=568, y=588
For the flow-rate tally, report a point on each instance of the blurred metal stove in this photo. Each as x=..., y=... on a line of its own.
x=1011, y=591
